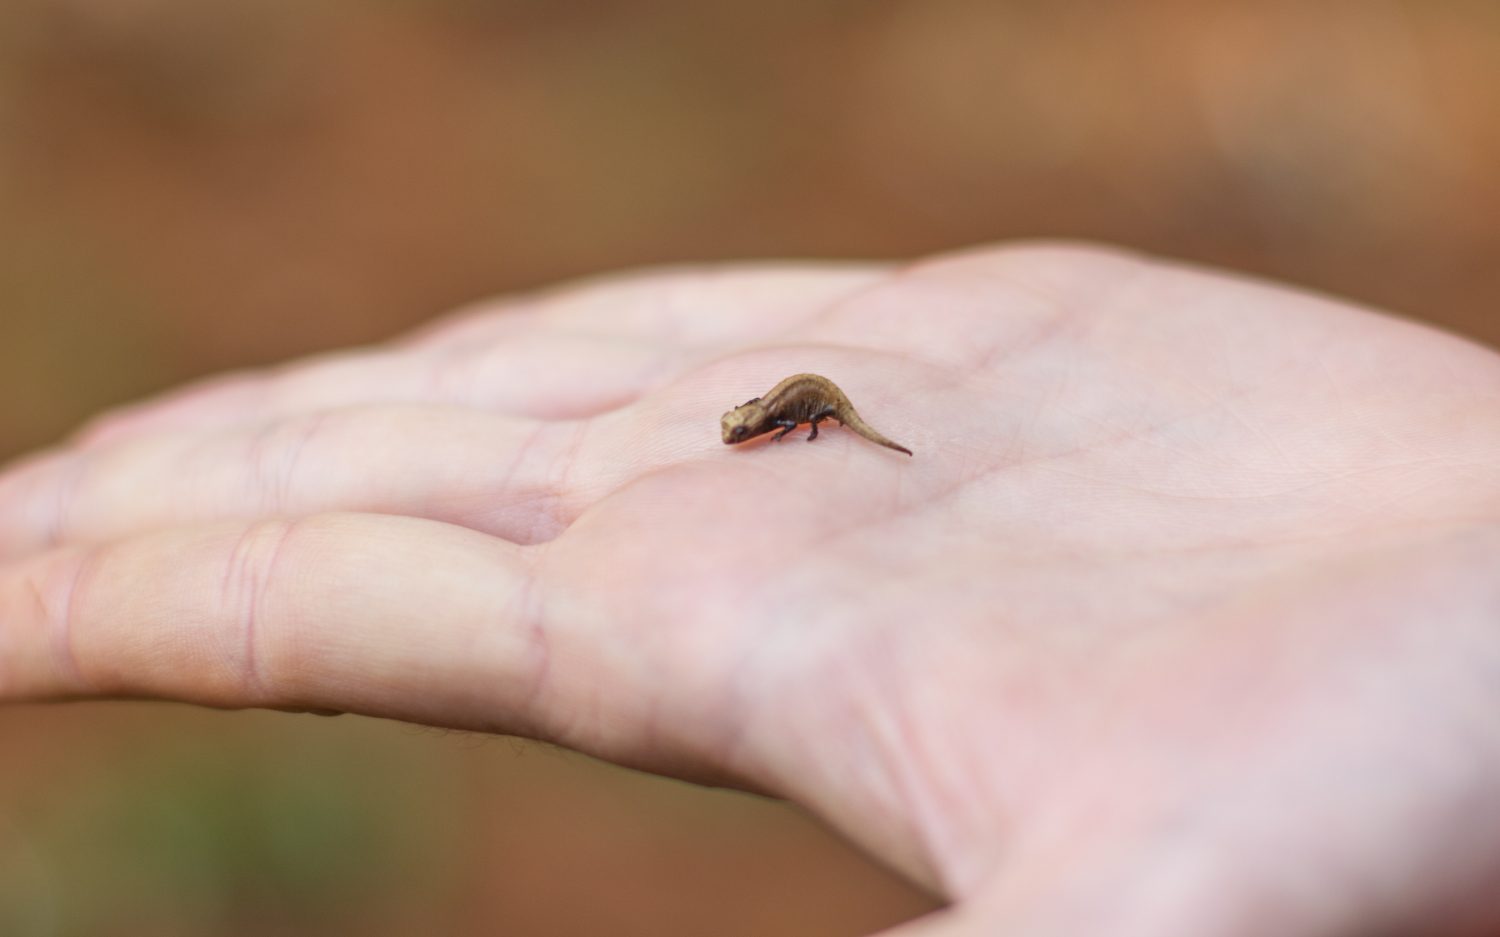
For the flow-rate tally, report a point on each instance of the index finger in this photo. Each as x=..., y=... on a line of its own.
x=384, y=616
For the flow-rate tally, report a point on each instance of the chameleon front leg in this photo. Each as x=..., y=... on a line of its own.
x=786, y=427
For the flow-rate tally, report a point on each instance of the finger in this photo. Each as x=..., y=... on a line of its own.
x=323, y=612
x=990, y=303
x=542, y=376
x=731, y=303
x=580, y=352
x=383, y=616
x=1165, y=882
x=519, y=479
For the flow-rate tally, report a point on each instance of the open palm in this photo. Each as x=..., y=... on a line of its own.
x=1183, y=620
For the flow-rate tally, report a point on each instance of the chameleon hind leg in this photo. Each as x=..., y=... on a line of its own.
x=814, y=421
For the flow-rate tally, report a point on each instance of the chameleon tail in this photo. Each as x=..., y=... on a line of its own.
x=864, y=429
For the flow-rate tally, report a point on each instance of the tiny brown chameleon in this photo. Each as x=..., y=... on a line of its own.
x=801, y=398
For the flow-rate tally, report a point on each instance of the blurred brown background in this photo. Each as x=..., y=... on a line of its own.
x=190, y=186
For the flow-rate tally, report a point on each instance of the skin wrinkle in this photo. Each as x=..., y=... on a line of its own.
x=1151, y=433
x=1057, y=320
x=1412, y=500
x=67, y=493
x=1268, y=440
x=43, y=614
x=877, y=736
x=1334, y=393
x=890, y=740
x=570, y=460
x=1224, y=403
x=63, y=647
x=733, y=745
x=922, y=793
x=1423, y=495
x=530, y=605
x=273, y=454
x=547, y=500
x=1328, y=477
x=734, y=749
x=1331, y=478
x=1150, y=553
x=447, y=368
x=1050, y=393
x=560, y=502
x=250, y=571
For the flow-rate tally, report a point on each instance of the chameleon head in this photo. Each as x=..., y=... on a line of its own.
x=736, y=425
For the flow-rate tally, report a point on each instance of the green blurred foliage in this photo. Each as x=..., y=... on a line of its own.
x=190, y=835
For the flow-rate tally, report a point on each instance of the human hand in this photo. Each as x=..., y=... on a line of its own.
x=1183, y=620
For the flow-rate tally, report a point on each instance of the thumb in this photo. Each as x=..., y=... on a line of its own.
x=952, y=922
x=1074, y=916
x=1175, y=886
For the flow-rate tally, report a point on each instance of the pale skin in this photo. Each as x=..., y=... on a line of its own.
x=1186, y=623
